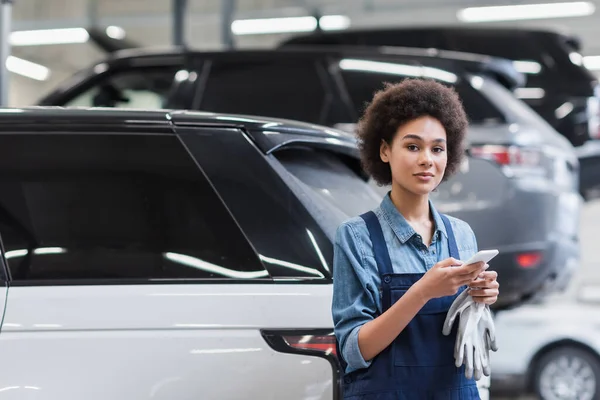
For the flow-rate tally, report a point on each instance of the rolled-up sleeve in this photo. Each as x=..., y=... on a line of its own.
x=355, y=293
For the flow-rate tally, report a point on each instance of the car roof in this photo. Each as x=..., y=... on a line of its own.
x=26, y=118
x=306, y=50
x=454, y=61
x=497, y=30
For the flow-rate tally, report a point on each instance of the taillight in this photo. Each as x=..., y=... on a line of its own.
x=530, y=259
x=308, y=342
x=593, y=116
x=516, y=161
x=311, y=342
x=325, y=344
x=508, y=155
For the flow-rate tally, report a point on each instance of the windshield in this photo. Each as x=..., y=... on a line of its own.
x=362, y=84
x=515, y=110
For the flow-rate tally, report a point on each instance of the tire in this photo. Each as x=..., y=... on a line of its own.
x=567, y=373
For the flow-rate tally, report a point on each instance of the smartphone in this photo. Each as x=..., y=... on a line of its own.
x=482, y=256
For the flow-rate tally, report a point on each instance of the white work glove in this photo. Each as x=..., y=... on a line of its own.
x=488, y=329
x=475, y=336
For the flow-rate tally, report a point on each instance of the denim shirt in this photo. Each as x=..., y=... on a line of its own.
x=356, y=282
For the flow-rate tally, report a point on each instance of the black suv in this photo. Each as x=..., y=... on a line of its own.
x=558, y=87
x=307, y=85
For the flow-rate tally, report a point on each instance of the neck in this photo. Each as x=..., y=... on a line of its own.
x=413, y=207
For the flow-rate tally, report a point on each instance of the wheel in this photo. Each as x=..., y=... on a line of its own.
x=567, y=373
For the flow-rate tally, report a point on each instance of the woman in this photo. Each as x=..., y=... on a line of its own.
x=397, y=268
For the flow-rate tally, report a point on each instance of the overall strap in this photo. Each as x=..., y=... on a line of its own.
x=451, y=239
x=382, y=256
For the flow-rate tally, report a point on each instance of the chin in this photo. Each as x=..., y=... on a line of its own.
x=423, y=190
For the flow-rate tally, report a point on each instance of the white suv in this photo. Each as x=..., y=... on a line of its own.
x=170, y=255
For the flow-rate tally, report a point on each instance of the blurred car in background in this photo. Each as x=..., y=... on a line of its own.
x=519, y=191
x=558, y=86
x=550, y=349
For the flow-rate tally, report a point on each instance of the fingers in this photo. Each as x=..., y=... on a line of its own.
x=468, y=360
x=488, y=276
x=461, y=336
x=488, y=320
x=460, y=356
x=477, y=361
x=486, y=300
x=470, y=269
x=466, y=273
x=484, y=292
x=484, y=284
x=455, y=309
x=448, y=262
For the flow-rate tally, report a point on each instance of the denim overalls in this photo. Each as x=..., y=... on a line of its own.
x=419, y=364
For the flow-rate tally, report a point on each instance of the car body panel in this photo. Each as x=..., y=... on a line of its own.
x=523, y=333
x=182, y=341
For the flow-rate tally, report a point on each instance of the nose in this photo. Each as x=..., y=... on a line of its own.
x=425, y=158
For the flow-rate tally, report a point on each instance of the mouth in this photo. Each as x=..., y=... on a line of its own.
x=424, y=176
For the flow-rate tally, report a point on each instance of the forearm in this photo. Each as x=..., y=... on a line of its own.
x=379, y=333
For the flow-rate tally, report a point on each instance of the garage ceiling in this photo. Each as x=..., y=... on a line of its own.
x=149, y=22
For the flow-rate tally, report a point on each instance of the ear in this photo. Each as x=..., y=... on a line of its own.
x=384, y=150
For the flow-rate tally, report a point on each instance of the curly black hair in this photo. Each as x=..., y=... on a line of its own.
x=399, y=103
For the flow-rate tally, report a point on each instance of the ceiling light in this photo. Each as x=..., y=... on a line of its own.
x=49, y=36
x=397, y=69
x=273, y=25
x=592, y=62
x=527, y=67
x=576, y=58
x=289, y=24
x=115, y=32
x=526, y=11
x=27, y=68
x=529, y=93
x=334, y=22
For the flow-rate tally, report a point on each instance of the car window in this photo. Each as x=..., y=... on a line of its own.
x=283, y=88
x=516, y=46
x=361, y=87
x=147, y=88
x=332, y=190
x=114, y=207
x=256, y=190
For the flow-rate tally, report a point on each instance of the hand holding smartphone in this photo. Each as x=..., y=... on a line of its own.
x=484, y=256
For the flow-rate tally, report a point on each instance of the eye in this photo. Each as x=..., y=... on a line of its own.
x=438, y=149
x=412, y=147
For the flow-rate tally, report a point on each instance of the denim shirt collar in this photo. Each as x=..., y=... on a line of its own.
x=401, y=227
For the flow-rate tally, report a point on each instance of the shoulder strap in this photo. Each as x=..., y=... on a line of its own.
x=451, y=239
x=380, y=250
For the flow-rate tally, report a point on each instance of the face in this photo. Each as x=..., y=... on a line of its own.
x=417, y=155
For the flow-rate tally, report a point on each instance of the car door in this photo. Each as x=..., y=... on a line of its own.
x=126, y=270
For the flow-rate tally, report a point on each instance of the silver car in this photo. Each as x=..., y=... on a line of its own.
x=529, y=208
x=549, y=348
